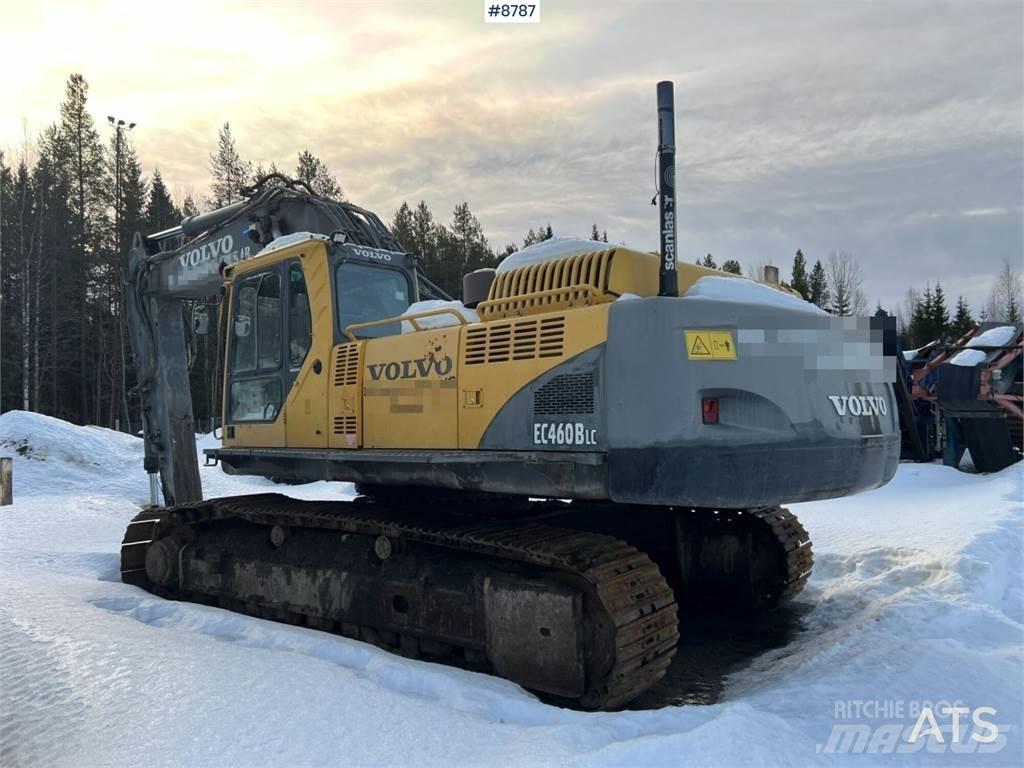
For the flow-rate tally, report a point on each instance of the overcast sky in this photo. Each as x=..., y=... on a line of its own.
x=891, y=130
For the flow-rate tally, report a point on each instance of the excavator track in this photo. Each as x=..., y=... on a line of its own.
x=626, y=615
x=794, y=541
x=761, y=558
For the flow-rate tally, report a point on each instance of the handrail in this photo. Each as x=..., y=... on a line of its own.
x=412, y=319
x=524, y=299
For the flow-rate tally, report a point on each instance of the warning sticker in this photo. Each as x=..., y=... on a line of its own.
x=710, y=345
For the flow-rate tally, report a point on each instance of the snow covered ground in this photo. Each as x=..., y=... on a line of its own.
x=917, y=599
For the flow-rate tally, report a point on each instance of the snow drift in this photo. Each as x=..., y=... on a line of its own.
x=916, y=597
x=744, y=291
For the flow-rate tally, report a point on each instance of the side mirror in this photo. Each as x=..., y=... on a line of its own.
x=201, y=319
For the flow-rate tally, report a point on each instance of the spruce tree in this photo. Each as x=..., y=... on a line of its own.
x=161, y=212
x=939, y=313
x=733, y=266
x=799, y=281
x=922, y=321
x=962, y=320
x=1012, y=309
x=594, y=234
x=188, y=206
x=817, y=286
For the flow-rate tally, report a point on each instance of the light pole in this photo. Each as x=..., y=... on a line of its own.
x=119, y=131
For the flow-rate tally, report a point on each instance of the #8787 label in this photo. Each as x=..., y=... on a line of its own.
x=511, y=13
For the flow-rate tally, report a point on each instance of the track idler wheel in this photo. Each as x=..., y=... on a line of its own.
x=746, y=559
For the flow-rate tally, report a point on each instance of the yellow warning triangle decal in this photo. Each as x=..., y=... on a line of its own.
x=699, y=347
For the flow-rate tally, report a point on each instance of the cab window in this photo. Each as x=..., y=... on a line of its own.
x=256, y=349
x=366, y=293
x=300, y=330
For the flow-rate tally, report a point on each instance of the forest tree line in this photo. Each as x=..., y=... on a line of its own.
x=71, y=200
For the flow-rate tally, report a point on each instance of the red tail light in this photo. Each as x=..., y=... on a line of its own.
x=709, y=410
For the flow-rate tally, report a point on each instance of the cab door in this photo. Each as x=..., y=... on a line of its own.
x=256, y=370
x=309, y=339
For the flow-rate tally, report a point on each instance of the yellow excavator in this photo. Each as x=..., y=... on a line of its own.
x=549, y=473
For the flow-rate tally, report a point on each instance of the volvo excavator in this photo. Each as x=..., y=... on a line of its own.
x=545, y=487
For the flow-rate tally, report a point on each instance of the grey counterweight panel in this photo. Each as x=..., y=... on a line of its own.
x=805, y=410
x=561, y=410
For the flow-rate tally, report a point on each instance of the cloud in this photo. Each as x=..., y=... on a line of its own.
x=893, y=131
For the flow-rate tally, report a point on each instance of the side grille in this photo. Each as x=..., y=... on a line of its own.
x=568, y=393
x=345, y=425
x=346, y=365
x=501, y=342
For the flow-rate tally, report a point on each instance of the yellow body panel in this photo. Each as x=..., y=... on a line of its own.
x=410, y=390
x=499, y=358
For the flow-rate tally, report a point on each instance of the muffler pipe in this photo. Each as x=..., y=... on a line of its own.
x=668, y=283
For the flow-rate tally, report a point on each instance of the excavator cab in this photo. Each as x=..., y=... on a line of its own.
x=287, y=309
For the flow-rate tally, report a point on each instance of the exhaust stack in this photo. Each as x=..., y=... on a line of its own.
x=668, y=283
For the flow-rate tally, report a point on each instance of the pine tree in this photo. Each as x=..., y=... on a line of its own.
x=161, y=212
x=425, y=240
x=733, y=266
x=594, y=234
x=259, y=172
x=799, y=280
x=402, y=226
x=962, y=320
x=548, y=233
x=469, y=249
x=708, y=262
x=604, y=236
x=80, y=157
x=314, y=172
x=228, y=171
x=817, y=286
